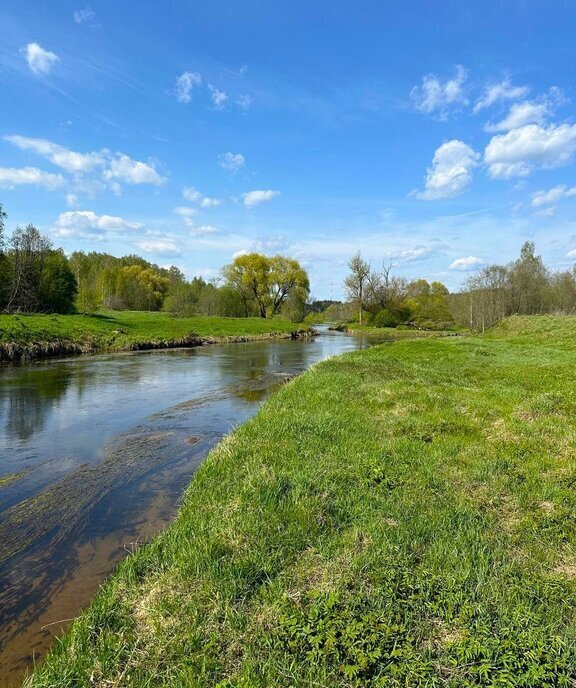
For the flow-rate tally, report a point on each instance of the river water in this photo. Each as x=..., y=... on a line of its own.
x=98, y=451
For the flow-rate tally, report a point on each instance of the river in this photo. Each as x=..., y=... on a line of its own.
x=95, y=453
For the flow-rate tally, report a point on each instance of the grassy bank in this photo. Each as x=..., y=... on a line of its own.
x=400, y=516
x=35, y=336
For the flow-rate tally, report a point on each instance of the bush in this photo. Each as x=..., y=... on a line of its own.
x=386, y=318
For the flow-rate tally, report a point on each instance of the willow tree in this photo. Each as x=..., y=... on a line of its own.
x=267, y=282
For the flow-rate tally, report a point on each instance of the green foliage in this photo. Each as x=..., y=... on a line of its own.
x=266, y=282
x=58, y=285
x=399, y=516
x=384, y=318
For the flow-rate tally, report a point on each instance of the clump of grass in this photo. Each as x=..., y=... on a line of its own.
x=400, y=516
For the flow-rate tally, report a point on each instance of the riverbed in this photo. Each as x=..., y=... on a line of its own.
x=95, y=453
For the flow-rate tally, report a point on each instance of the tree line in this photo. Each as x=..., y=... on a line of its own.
x=523, y=287
x=37, y=277
x=386, y=300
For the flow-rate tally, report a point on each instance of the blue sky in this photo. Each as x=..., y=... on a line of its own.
x=438, y=135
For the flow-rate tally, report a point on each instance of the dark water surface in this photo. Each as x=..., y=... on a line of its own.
x=98, y=451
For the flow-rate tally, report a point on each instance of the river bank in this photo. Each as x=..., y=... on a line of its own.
x=397, y=516
x=27, y=337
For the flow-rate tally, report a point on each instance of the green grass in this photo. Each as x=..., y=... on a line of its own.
x=399, y=516
x=117, y=330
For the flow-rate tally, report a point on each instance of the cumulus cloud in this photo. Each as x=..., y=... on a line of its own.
x=88, y=223
x=529, y=112
x=39, y=60
x=500, y=91
x=185, y=211
x=191, y=194
x=210, y=202
x=133, y=171
x=219, y=98
x=451, y=171
x=571, y=254
x=185, y=84
x=466, y=264
x=161, y=246
x=232, y=162
x=253, y=198
x=68, y=160
x=194, y=196
x=518, y=152
x=112, y=167
x=85, y=16
x=553, y=195
x=519, y=115
x=11, y=177
x=436, y=96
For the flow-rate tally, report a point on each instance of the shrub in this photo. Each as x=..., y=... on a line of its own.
x=385, y=318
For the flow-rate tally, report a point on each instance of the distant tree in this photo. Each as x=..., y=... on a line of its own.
x=266, y=282
x=356, y=282
x=58, y=285
x=28, y=251
x=529, y=281
x=4, y=265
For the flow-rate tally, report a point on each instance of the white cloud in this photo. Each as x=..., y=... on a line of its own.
x=210, y=202
x=571, y=254
x=185, y=211
x=185, y=84
x=466, y=264
x=71, y=200
x=433, y=95
x=87, y=223
x=237, y=254
x=191, y=194
x=68, y=160
x=253, y=198
x=163, y=246
x=39, y=60
x=518, y=152
x=529, y=112
x=202, y=230
x=519, y=115
x=11, y=177
x=133, y=171
x=232, y=162
x=85, y=16
x=194, y=196
x=114, y=167
x=219, y=98
x=451, y=171
x=244, y=102
x=553, y=195
x=502, y=91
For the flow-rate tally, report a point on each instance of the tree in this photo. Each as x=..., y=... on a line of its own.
x=4, y=266
x=356, y=282
x=27, y=255
x=58, y=285
x=529, y=281
x=266, y=282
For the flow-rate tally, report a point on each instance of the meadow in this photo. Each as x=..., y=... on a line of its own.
x=398, y=516
x=36, y=335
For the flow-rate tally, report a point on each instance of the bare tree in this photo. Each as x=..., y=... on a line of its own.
x=356, y=282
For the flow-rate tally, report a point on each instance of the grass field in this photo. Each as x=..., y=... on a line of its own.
x=33, y=335
x=399, y=516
